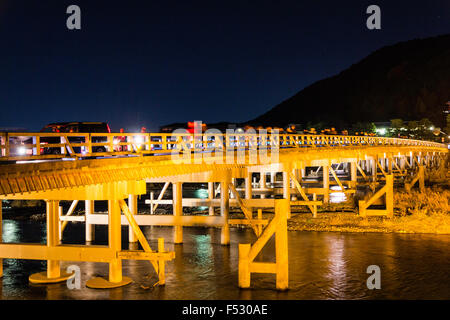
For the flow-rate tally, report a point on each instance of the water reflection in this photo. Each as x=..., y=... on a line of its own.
x=321, y=266
x=201, y=194
x=10, y=231
x=336, y=266
x=337, y=197
x=204, y=250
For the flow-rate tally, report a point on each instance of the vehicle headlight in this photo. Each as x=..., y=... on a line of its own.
x=21, y=151
x=139, y=139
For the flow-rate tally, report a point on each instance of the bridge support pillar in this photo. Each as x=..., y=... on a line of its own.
x=89, y=208
x=374, y=169
x=287, y=189
x=115, y=239
x=211, y=195
x=273, y=176
x=224, y=212
x=353, y=174
x=233, y=181
x=248, y=252
x=249, y=190
x=115, y=278
x=390, y=164
x=53, y=273
x=177, y=210
x=133, y=206
x=262, y=183
x=402, y=163
x=326, y=184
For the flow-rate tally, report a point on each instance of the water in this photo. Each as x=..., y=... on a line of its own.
x=321, y=266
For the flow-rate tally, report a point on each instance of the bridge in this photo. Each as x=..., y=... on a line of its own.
x=117, y=166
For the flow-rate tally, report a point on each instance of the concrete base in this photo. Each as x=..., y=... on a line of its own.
x=41, y=277
x=102, y=283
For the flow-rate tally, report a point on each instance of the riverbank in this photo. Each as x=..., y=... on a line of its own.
x=414, y=212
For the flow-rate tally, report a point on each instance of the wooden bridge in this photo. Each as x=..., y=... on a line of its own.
x=117, y=166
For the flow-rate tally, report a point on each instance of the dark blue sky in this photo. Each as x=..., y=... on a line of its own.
x=149, y=63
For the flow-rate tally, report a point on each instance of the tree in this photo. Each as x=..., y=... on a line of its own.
x=396, y=126
x=447, y=128
x=412, y=128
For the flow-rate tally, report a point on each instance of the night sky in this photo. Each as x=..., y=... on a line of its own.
x=150, y=63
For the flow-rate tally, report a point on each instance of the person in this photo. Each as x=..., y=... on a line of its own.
x=122, y=139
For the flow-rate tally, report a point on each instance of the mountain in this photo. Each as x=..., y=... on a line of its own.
x=409, y=80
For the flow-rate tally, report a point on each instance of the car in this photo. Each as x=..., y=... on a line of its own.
x=75, y=127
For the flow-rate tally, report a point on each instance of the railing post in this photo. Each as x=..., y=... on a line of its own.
x=37, y=145
x=62, y=140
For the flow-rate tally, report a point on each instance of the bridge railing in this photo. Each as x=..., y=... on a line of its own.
x=28, y=145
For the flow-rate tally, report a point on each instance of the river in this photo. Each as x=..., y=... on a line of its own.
x=322, y=265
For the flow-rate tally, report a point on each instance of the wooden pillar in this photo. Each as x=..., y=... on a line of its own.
x=133, y=206
x=60, y=230
x=114, y=239
x=422, y=178
x=161, y=263
x=262, y=183
x=353, y=174
x=390, y=165
x=326, y=184
x=233, y=181
x=282, y=209
x=273, y=176
x=224, y=212
x=402, y=164
x=374, y=169
x=287, y=189
x=177, y=210
x=211, y=194
x=90, y=230
x=244, y=274
x=390, y=195
x=53, y=266
x=249, y=189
